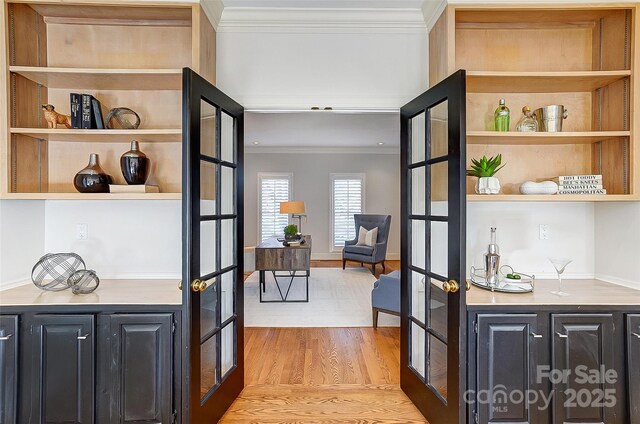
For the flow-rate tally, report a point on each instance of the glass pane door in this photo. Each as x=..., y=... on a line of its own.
x=433, y=245
x=212, y=250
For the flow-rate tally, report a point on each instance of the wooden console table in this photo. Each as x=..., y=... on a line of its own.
x=272, y=256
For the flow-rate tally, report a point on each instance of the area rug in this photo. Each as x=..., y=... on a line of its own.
x=337, y=298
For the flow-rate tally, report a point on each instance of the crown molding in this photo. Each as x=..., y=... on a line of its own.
x=431, y=11
x=341, y=20
x=213, y=9
x=321, y=150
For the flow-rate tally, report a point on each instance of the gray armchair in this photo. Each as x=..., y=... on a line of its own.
x=385, y=296
x=368, y=254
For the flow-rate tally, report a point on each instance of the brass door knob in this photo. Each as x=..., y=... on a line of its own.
x=450, y=286
x=468, y=285
x=180, y=285
x=198, y=285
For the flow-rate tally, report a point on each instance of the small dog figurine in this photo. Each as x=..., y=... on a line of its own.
x=54, y=118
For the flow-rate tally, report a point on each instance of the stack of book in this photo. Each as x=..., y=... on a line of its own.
x=86, y=112
x=580, y=184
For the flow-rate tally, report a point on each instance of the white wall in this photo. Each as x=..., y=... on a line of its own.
x=127, y=239
x=22, y=229
x=311, y=185
x=617, y=247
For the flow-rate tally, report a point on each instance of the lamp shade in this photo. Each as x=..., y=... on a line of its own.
x=292, y=207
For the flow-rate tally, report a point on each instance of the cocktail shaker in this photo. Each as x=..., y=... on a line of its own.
x=492, y=261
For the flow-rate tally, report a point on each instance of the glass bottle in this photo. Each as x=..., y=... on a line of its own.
x=502, y=117
x=528, y=122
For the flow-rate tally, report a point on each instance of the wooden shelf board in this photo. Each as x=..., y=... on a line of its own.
x=102, y=79
x=542, y=138
x=93, y=196
x=550, y=198
x=78, y=135
x=541, y=82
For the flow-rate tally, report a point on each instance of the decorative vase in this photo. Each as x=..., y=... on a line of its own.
x=291, y=237
x=487, y=185
x=135, y=165
x=92, y=179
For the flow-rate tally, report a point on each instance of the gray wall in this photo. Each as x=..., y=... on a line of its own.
x=311, y=184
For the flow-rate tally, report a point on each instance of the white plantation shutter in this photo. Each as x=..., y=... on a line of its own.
x=347, y=193
x=273, y=189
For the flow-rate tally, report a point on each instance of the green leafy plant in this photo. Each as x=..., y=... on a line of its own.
x=485, y=167
x=291, y=230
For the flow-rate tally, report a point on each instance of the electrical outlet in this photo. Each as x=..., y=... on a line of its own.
x=82, y=231
x=545, y=232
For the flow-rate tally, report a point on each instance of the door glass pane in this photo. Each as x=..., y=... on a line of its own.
x=439, y=195
x=438, y=130
x=207, y=188
x=437, y=308
x=227, y=253
x=207, y=247
x=208, y=358
x=207, y=129
x=418, y=252
x=227, y=307
x=228, y=141
x=228, y=342
x=417, y=361
x=227, y=195
x=208, y=308
x=417, y=138
x=417, y=295
x=438, y=366
x=418, y=191
x=439, y=261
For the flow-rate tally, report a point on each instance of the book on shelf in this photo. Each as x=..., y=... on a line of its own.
x=142, y=188
x=580, y=187
x=598, y=191
x=76, y=110
x=96, y=109
x=88, y=121
x=574, y=183
x=567, y=178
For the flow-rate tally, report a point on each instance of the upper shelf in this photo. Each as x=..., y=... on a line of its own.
x=551, y=197
x=102, y=79
x=78, y=135
x=93, y=196
x=542, y=138
x=541, y=82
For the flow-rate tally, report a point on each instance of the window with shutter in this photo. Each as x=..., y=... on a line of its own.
x=347, y=199
x=272, y=189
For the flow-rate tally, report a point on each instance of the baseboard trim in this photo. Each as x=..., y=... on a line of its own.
x=13, y=284
x=618, y=281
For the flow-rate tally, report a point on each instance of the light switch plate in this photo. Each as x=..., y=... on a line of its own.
x=545, y=232
x=82, y=231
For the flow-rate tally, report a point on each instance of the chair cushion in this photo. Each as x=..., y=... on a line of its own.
x=360, y=250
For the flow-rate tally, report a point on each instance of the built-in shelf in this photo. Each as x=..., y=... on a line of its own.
x=550, y=198
x=541, y=82
x=78, y=135
x=102, y=79
x=94, y=196
x=542, y=138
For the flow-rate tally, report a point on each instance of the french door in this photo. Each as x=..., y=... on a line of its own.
x=433, y=330
x=212, y=245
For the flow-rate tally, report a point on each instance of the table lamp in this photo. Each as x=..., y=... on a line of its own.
x=295, y=209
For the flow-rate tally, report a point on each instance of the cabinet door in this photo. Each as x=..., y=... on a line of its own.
x=61, y=383
x=633, y=366
x=509, y=348
x=583, y=350
x=8, y=368
x=136, y=382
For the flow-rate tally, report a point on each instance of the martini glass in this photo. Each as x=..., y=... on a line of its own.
x=560, y=264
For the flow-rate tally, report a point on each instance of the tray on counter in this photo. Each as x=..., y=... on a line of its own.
x=505, y=285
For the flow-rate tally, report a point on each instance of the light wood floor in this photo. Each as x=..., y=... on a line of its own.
x=322, y=375
x=389, y=266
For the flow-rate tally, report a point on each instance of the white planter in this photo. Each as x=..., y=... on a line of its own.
x=487, y=185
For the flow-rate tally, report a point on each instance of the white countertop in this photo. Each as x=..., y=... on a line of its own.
x=581, y=293
x=110, y=292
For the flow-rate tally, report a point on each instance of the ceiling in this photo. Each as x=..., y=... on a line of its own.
x=322, y=130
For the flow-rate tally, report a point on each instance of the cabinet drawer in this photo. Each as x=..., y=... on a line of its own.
x=633, y=366
x=8, y=368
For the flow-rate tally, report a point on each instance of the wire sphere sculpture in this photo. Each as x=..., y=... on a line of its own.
x=83, y=281
x=123, y=117
x=53, y=270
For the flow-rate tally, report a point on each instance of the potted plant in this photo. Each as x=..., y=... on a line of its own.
x=291, y=232
x=485, y=169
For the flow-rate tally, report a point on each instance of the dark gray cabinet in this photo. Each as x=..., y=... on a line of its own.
x=633, y=366
x=136, y=368
x=583, y=344
x=59, y=370
x=8, y=368
x=510, y=346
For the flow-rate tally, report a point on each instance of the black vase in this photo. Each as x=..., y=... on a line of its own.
x=134, y=165
x=92, y=179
